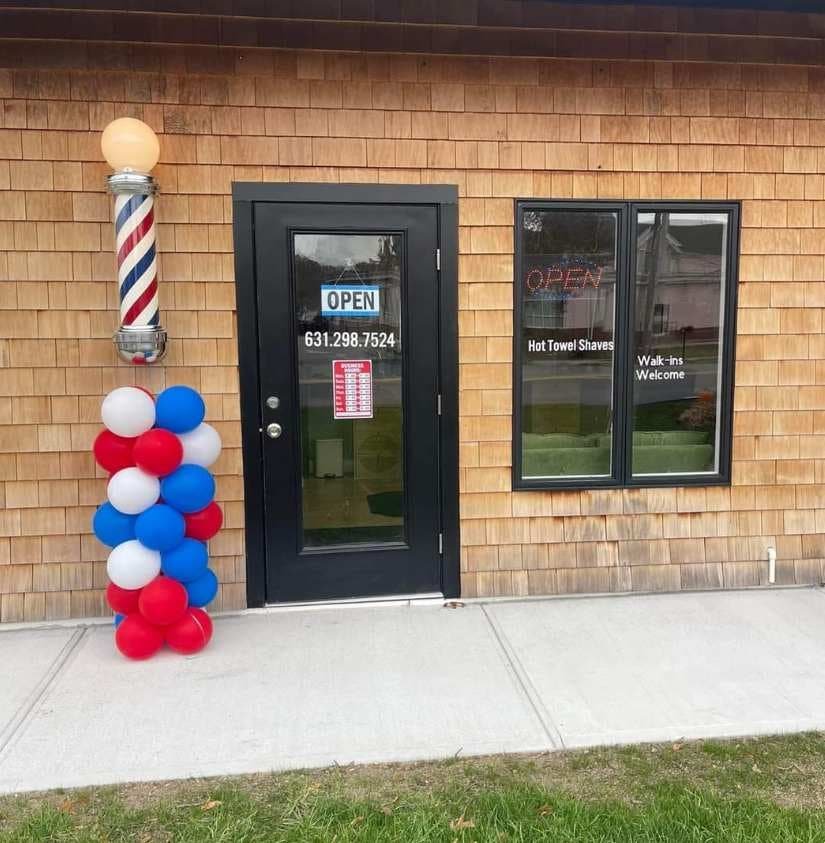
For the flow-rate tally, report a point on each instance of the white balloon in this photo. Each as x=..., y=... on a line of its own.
x=132, y=490
x=201, y=446
x=128, y=411
x=132, y=565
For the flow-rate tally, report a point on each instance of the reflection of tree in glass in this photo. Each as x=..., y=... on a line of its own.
x=655, y=256
x=701, y=415
x=532, y=221
x=389, y=253
x=590, y=233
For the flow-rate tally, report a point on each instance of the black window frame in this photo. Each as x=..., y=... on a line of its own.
x=621, y=448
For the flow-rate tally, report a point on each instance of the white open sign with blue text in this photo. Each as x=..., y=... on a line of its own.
x=350, y=300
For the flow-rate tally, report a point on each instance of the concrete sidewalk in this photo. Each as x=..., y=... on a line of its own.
x=298, y=688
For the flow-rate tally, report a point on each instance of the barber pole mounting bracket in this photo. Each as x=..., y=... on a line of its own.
x=140, y=339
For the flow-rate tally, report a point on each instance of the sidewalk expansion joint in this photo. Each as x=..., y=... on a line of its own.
x=525, y=684
x=15, y=726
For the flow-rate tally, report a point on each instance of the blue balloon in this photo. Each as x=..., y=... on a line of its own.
x=189, y=488
x=187, y=562
x=160, y=527
x=202, y=590
x=179, y=409
x=111, y=526
x=118, y=619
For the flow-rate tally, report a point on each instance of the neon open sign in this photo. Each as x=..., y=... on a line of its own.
x=566, y=276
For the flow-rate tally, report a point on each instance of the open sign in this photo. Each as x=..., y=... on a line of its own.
x=350, y=300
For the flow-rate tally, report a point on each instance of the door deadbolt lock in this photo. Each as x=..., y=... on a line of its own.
x=274, y=430
x=273, y=402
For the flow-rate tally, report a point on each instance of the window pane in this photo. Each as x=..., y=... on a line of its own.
x=348, y=311
x=677, y=369
x=568, y=284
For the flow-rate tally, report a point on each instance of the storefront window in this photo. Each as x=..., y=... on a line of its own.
x=679, y=281
x=624, y=320
x=567, y=289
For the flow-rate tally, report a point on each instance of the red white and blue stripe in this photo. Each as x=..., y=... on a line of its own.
x=137, y=273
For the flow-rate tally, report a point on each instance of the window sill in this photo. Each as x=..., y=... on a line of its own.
x=663, y=482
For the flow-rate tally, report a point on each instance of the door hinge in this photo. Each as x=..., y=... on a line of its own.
x=438, y=403
x=440, y=543
x=438, y=259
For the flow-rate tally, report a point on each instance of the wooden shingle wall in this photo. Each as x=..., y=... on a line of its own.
x=499, y=129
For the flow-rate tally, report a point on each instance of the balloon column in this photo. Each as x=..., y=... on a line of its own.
x=159, y=514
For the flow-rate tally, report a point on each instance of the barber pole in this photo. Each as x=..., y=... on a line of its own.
x=136, y=264
x=131, y=148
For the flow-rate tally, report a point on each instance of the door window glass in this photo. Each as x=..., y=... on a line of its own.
x=348, y=293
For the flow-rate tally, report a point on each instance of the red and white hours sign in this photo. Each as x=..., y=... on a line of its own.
x=352, y=389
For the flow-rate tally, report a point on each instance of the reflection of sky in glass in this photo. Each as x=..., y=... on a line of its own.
x=332, y=249
x=690, y=218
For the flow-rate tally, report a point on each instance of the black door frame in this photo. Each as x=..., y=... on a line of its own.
x=444, y=198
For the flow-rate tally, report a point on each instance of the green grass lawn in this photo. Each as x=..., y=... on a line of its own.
x=769, y=789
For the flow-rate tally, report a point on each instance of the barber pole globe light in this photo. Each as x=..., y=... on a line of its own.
x=132, y=149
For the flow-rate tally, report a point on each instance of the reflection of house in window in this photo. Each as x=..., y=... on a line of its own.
x=544, y=313
x=680, y=275
x=569, y=263
x=582, y=307
x=586, y=312
x=661, y=318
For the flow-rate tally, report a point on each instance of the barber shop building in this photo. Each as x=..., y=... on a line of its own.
x=486, y=298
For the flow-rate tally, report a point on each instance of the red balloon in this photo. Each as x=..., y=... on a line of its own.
x=163, y=601
x=204, y=523
x=122, y=600
x=136, y=638
x=144, y=389
x=113, y=452
x=191, y=633
x=158, y=452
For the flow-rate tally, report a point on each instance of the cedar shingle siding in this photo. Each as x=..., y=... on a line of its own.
x=499, y=128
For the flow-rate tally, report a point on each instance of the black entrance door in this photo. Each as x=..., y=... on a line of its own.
x=351, y=441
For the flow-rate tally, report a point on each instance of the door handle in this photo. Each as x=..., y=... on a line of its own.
x=274, y=430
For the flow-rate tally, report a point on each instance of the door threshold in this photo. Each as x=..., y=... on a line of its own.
x=434, y=598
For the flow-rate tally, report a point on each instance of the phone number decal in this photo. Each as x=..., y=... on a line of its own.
x=349, y=339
